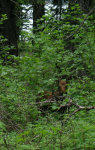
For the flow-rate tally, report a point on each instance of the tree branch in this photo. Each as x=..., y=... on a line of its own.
x=79, y=108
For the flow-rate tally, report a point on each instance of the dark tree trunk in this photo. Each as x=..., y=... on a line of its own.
x=85, y=5
x=9, y=28
x=58, y=9
x=38, y=12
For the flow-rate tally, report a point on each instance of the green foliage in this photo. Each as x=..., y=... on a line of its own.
x=4, y=48
x=61, y=49
x=3, y=18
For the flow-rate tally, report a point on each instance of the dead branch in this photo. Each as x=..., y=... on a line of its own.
x=14, y=2
x=68, y=105
x=79, y=108
x=44, y=102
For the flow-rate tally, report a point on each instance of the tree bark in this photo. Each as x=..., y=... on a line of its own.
x=85, y=5
x=9, y=28
x=38, y=12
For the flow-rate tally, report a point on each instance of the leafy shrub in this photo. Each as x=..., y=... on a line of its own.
x=64, y=49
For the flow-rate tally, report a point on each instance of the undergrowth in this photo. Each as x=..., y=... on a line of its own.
x=57, y=52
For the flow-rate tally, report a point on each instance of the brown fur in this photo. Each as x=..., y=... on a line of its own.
x=62, y=86
x=62, y=89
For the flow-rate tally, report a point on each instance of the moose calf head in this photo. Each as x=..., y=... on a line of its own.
x=62, y=86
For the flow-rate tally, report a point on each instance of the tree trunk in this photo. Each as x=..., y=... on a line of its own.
x=85, y=5
x=38, y=12
x=9, y=28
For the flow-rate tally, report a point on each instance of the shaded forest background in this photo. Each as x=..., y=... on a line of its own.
x=47, y=75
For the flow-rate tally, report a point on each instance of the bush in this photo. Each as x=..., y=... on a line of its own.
x=63, y=50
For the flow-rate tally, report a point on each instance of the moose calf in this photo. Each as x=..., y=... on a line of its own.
x=61, y=90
